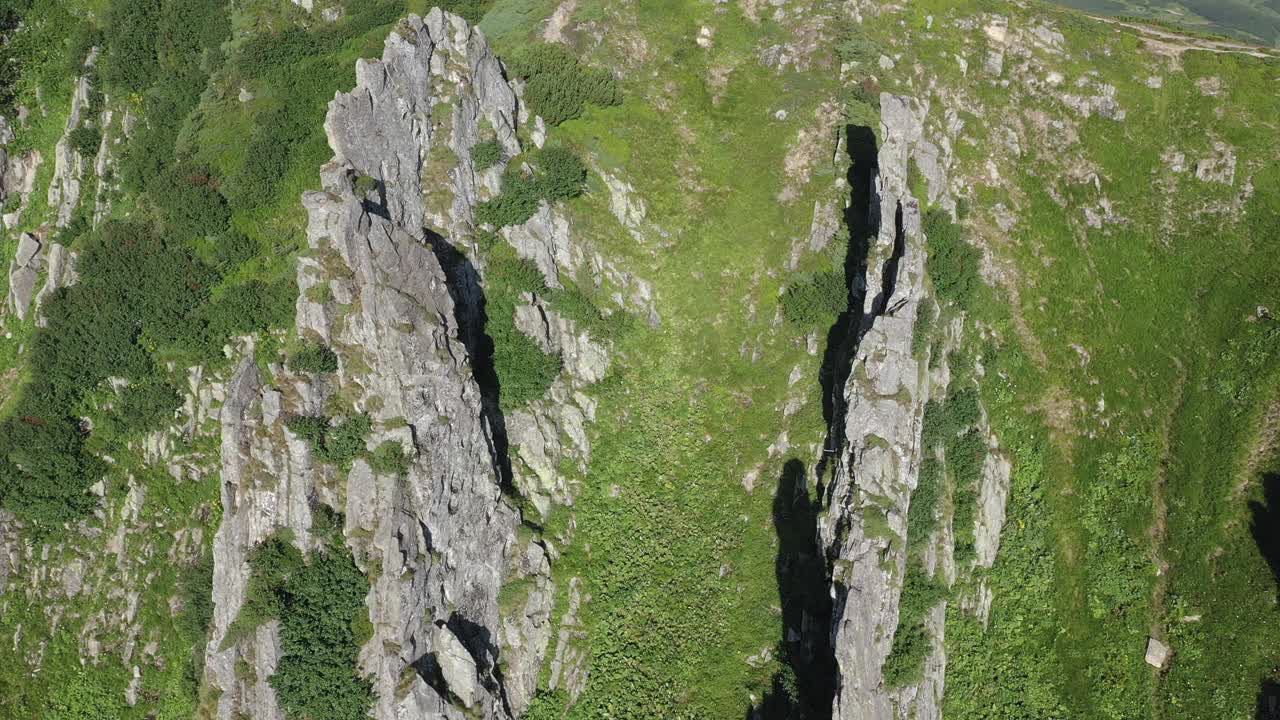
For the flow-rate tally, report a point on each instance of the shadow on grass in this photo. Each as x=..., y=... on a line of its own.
x=1268, y=701
x=1265, y=528
x=803, y=686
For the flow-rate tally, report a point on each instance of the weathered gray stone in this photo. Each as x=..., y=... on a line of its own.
x=878, y=470
x=58, y=262
x=64, y=187
x=441, y=533
x=457, y=666
x=1157, y=653
x=23, y=272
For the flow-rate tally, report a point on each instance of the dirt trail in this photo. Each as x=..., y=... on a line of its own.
x=1168, y=42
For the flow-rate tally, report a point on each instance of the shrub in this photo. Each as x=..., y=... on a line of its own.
x=389, y=458
x=486, y=154
x=953, y=262
x=319, y=601
x=345, y=441
x=85, y=139
x=313, y=358
x=311, y=428
x=320, y=605
x=557, y=86
x=521, y=369
x=131, y=62
x=816, y=299
x=85, y=37
x=233, y=248
x=561, y=174
x=334, y=444
x=524, y=370
x=517, y=202
x=189, y=203
x=911, y=645
x=148, y=404
x=242, y=309
x=852, y=46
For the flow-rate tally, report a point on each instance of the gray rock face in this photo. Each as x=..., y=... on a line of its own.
x=17, y=176
x=439, y=539
x=23, y=272
x=267, y=480
x=547, y=239
x=877, y=473
x=425, y=62
x=60, y=273
x=64, y=187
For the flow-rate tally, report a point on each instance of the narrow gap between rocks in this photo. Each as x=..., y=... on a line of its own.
x=862, y=219
x=463, y=281
x=804, y=686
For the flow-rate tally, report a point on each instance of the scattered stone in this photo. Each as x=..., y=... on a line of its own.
x=1157, y=653
x=1219, y=167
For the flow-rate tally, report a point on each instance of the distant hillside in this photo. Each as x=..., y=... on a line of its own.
x=1252, y=20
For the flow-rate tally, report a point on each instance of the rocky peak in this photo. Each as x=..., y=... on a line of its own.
x=884, y=400
x=436, y=540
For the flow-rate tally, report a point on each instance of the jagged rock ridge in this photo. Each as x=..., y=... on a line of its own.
x=438, y=540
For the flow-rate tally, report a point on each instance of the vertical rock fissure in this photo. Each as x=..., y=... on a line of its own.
x=862, y=219
x=889, y=277
x=463, y=282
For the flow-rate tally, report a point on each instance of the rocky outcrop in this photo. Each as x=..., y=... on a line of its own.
x=547, y=239
x=24, y=269
x=59, y=272
x=17, y=176
x=69, y=165
x=439, y=539
x=865, y=527
x=552, y=430
x=33, y=258
x=267, y=483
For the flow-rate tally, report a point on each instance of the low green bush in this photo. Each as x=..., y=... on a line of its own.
x=558, y=174
x=561, y=174
x=148, y=405
x=517, y=202
x=558, y=86
x=486, y=154
x=389, y=458
x=335, y=444
x=313, y=358
x=953, y=262
x=524, y=372
x=816, y=299
x=319, y=600
x=85, y=139
x=189, y=204
x=131, y=62
x=911, y=645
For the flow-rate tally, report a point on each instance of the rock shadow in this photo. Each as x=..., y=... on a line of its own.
x=463, y=281
x=1268, y=701
x=862, y=218
x=1265, y=524
x=804, y=687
